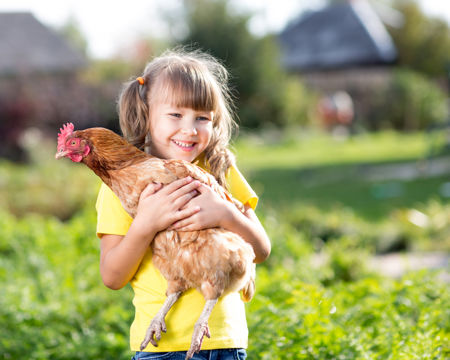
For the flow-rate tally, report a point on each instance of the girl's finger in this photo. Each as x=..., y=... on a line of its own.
x=184, y=190
x=175, y=185
x=187, y=228
x=181, y=201
x=204, y=188
x=150, y=189
x=184, y=214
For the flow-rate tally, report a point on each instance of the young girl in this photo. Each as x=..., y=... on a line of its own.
x=178, y=109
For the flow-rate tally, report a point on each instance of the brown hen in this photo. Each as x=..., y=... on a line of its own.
x=212, y=261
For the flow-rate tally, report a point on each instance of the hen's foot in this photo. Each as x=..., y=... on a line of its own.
x=200, y=330
x=154, y=331
x=158, y=324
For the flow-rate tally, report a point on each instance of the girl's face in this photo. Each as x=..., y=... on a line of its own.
x=178, y=132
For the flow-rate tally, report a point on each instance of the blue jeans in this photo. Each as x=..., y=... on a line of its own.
x=220, y=354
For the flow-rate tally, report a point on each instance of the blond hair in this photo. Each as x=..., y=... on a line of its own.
x=191, y=79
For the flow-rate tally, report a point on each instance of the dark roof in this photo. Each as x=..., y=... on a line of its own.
x=27, y=46
x=343, y=35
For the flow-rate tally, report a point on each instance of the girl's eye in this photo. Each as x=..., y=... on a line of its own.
x=176, y=115
x=203, y=118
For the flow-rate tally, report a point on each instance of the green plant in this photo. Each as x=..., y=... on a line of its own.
x=410, y=102
x=53, y=304
x=372, y=318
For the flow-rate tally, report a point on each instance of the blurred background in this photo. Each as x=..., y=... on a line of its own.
x=343, y=109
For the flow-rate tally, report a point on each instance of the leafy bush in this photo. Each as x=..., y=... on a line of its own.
x=410, y=102
x=372, y=318
x=53, y=304
x=45, y=185
x=424, y=228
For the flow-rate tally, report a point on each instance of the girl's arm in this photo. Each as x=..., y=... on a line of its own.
x=216, y=212
x=120, y=256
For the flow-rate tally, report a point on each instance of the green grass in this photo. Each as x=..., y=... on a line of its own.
x=300, y=150
x=328, y=173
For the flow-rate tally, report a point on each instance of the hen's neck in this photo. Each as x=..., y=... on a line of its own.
x=111, y=152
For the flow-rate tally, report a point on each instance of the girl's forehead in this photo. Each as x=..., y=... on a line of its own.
x=168, y=95
x=179, y=93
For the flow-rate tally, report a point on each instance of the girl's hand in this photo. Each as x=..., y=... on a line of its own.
x=159, y=207
x=217, y=212
x=213, y=211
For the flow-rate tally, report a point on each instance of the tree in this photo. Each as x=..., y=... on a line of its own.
x=422, y=42
x=257, y=76
x=72, y=33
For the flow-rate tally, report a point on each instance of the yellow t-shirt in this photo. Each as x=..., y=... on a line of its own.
x=227, y=323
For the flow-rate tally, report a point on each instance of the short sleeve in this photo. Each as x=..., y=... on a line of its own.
x=239, y=187
x=111, y=216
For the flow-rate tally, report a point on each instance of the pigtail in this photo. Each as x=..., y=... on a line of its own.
x=133, y=112
x=217, y=154
x=219, y=161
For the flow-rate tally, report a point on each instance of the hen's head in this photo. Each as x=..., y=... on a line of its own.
x=70, y=145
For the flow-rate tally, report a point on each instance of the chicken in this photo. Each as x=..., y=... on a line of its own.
x=212, y=260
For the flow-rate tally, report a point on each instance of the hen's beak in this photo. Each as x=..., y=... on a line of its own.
x=60, y=154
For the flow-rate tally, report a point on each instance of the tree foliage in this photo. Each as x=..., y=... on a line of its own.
x=422, y=42
x=260, y=84
x=71, y=31
x=410, y=102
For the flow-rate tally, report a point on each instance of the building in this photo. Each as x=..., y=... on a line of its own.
x=38, y=79
x=342, y=48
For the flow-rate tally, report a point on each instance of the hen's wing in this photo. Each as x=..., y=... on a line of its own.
x=129, y=182
x=182, y=169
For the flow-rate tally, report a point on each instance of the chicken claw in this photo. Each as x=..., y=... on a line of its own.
x=153, y=334
x=200, y=330
x=158, y=324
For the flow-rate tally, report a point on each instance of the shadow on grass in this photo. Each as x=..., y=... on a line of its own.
x=336, y=186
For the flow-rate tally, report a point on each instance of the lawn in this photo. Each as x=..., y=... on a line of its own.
x=358, y=173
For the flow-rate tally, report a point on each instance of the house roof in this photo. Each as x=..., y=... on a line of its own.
x=27, y=46
x=343, y=35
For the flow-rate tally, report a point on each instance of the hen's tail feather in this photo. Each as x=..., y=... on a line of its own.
x=249, y=289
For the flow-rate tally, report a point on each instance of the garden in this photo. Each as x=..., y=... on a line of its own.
x=318, y=297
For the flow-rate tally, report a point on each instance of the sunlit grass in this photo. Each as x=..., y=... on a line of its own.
x=359, y=172
x=304, y=149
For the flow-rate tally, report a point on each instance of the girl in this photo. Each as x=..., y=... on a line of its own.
x=178, y=109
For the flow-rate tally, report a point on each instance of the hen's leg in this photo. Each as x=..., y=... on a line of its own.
x=158, y=324
x=201, y=328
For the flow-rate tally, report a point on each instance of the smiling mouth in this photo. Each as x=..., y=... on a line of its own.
x=184, y=145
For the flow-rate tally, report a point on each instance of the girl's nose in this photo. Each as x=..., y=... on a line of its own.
x=191, y=130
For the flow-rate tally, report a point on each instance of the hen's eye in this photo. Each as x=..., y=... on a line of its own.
x=73, y=143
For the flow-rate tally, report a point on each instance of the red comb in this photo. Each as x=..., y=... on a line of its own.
x=65, y=131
